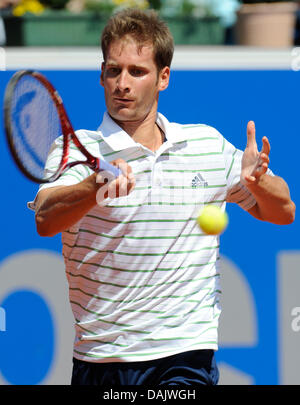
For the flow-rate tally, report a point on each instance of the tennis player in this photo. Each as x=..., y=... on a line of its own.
x=143, y=279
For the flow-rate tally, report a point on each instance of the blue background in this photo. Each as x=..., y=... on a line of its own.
x=226, y=100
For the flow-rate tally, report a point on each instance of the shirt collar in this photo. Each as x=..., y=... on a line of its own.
x=118, y=139
x=114, y=135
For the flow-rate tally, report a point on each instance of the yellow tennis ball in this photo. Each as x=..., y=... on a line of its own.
x=212, y=220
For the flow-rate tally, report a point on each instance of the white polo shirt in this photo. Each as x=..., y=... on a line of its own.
x=143, y=278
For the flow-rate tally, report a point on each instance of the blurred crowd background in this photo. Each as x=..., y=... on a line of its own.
x=192, y=22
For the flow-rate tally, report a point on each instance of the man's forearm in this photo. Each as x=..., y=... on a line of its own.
x=273, y=199
x=65, y=206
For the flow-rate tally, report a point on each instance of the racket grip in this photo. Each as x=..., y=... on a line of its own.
x=105, y=166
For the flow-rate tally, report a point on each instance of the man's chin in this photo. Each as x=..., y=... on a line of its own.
x=124, y=116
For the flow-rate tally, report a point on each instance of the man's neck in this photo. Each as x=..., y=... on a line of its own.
x=151, y=138
x=147, y=133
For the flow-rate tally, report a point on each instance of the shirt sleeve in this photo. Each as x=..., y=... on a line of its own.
x=236, y=192
x=71, y=176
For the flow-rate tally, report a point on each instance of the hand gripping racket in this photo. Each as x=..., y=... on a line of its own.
x=34, y=116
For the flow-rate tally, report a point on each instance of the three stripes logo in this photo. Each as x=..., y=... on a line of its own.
x=198, y=181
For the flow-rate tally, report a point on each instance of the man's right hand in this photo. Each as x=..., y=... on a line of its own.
x=60, y=207
x=115, y=187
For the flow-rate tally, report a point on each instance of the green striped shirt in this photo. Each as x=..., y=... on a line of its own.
x=143, y=278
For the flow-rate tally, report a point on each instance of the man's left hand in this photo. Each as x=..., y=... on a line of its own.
x=254, y=163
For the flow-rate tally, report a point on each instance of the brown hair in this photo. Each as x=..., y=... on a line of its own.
x=144, y=27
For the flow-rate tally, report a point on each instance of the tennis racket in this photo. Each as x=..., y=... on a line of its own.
x=34, y=116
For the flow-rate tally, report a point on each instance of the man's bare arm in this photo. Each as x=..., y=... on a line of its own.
x=58, y=208
x=273, y=200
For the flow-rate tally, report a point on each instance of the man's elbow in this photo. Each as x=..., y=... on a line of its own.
x=290, y=213
x=43, y=226
x=283, y=215
x=287, y=215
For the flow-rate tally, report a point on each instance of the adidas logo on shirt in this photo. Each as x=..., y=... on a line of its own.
x=199, y=181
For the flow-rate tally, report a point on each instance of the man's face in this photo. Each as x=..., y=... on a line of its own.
x=131, y=81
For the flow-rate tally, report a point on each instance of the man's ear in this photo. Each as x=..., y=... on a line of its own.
x=164, y=77
x=102, y=74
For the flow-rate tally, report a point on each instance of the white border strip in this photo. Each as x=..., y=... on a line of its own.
x=2, y=59
x=185, y=58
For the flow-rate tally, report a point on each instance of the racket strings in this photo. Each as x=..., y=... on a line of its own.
x=35, y=126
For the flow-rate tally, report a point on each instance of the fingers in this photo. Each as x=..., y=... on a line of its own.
x=260, y=169
x=249, y=179
x=251, y=132
x=125, y=168
x=266, y=148
x=116, y=187
x=264, y=159
x=251, y=138
x=126, y=180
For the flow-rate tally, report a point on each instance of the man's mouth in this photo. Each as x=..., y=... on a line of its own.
x=123, y=100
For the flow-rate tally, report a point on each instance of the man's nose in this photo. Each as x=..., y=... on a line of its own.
x=122, y=82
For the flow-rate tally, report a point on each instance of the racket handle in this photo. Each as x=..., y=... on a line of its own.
x=108, y=168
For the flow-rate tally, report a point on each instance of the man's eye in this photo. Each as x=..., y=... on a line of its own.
x=137, y=72
x=112, y=71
